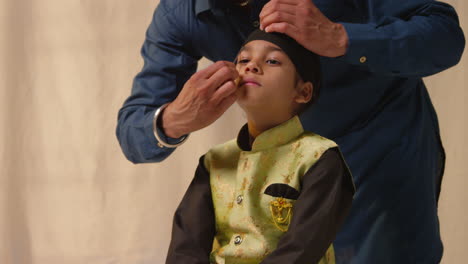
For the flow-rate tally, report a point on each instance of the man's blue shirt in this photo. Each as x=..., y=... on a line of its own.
x=373, y=103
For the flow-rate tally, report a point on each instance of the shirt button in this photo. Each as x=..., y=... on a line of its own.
x=363, y=59
x=237, y=240
x=160, y=145
x=239, y=199
x=256, y=23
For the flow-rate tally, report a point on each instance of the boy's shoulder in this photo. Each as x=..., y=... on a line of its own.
x=225, y=148
x=227, y=152
x=312, y=140
x=311, y=146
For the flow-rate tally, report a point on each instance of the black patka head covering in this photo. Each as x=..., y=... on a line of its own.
x=307, y=63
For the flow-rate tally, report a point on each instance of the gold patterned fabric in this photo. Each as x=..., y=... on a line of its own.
x=250, y=218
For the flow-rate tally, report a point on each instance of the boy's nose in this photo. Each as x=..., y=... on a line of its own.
x=252, y=67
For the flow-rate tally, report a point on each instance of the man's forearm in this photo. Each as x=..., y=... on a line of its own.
x=136, y=136
x=427, y=42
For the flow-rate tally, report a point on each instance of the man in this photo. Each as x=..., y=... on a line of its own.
x=374, y=103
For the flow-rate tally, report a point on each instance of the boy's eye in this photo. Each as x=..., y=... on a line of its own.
x=242, y=61
x=272, y=61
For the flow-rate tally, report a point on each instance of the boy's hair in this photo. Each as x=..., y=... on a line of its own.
x=307, y=63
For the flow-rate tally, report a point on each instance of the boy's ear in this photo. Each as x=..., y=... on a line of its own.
x=304, y=92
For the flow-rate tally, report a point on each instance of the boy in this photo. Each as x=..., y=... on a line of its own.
x=277, y=194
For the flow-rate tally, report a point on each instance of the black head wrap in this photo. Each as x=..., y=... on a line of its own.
x=306, y=62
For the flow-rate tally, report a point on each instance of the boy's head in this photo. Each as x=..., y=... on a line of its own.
x=278, y=75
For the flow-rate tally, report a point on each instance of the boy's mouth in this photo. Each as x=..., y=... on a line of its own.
x=249, y=81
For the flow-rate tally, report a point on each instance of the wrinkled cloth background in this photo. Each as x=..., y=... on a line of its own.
x=68, y=195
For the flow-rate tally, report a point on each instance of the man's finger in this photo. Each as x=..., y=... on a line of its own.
x=287, y=2
x=278, y=17
x=226, y=90
x=213, y=68
x=290, y=2
x=284, y=28
x=270, y=8
x=227, y=102
x=223, y=75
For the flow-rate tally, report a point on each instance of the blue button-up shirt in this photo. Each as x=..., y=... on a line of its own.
x=373, y=103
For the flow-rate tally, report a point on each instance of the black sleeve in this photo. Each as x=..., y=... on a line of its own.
x=324, y=202
x=193, y=228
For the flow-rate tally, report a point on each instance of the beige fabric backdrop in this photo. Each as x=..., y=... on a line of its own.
x=68, y=195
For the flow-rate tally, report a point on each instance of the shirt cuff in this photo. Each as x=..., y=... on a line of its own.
x=364, y=45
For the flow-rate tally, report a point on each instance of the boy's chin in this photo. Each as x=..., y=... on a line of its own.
x=251, y=107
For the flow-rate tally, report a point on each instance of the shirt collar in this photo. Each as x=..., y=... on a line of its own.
x=215, y=6
x=273, y=137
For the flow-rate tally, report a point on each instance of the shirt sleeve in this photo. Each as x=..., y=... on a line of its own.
x=324, y=202
x=407, y=38
x=194, y=226
x=169, y=61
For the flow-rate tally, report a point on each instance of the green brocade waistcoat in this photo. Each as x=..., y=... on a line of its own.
x=250, y=223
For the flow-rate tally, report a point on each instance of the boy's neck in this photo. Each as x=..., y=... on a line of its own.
x=256, y=128
x=253, y=131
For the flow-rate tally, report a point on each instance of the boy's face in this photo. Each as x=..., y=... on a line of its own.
x=269, y=82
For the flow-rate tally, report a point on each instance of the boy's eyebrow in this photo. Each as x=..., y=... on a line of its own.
x=268, y=48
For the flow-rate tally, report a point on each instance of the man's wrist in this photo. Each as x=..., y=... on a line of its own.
x=163, y=139
x=168, y=123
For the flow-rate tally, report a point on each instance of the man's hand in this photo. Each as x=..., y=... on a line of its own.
x=304, y=22
x=202, y=100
